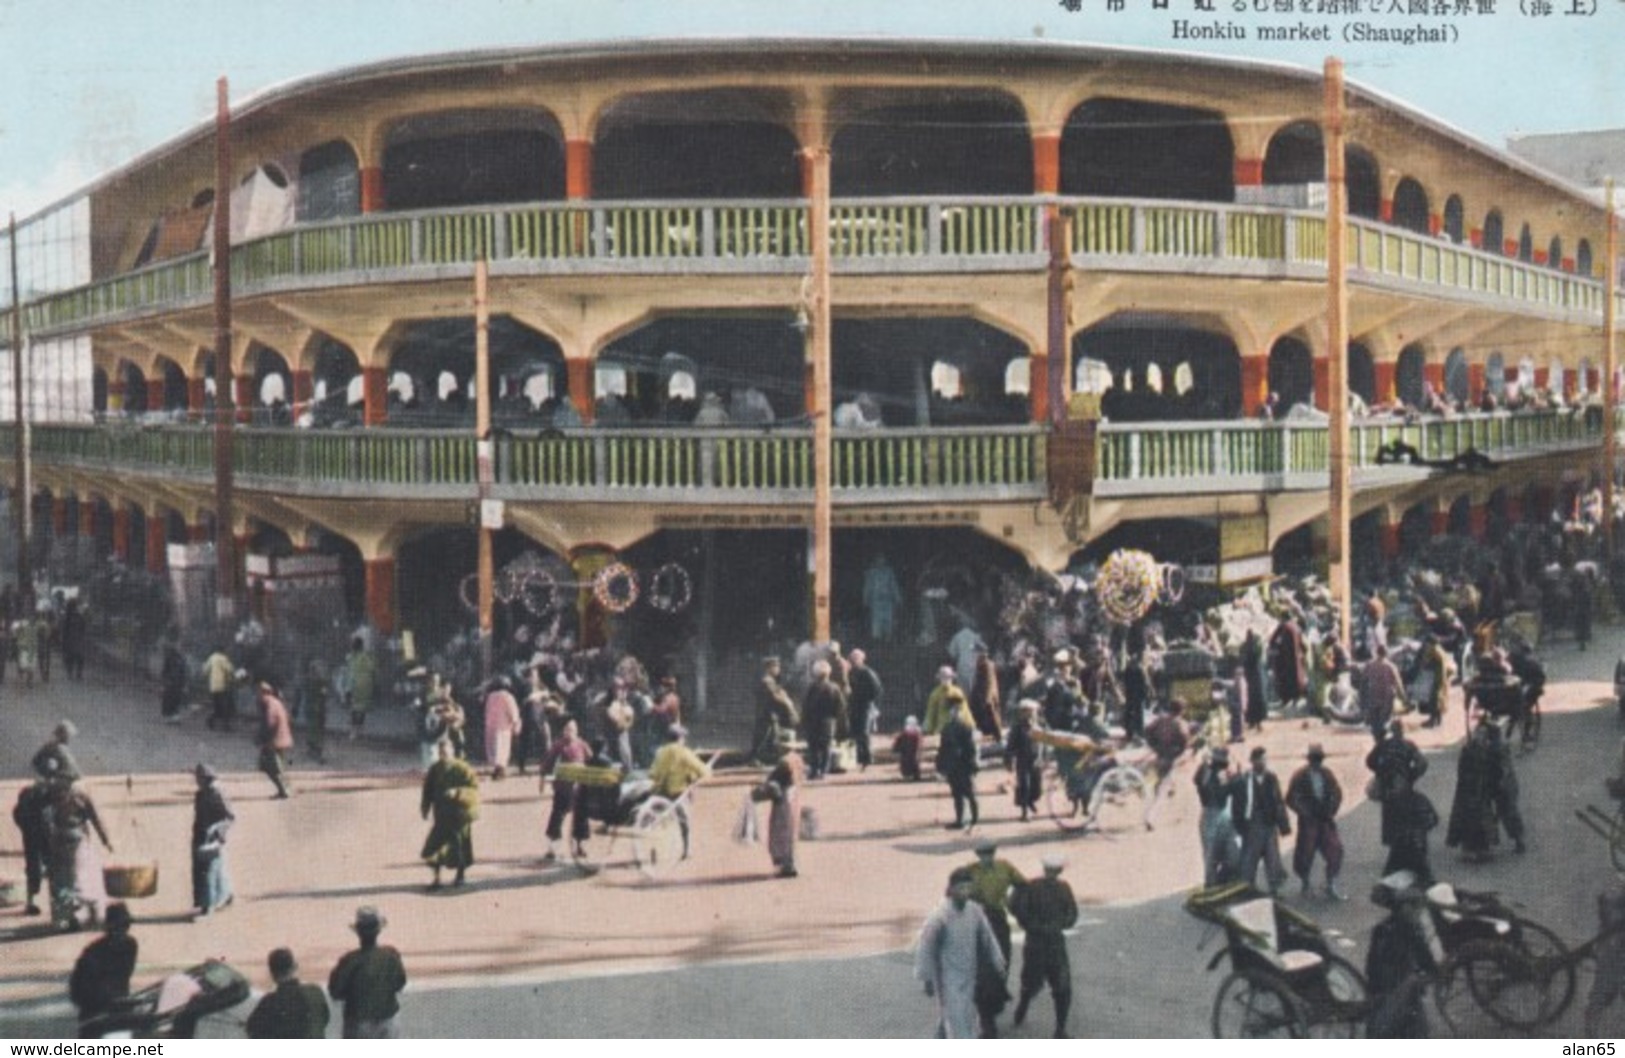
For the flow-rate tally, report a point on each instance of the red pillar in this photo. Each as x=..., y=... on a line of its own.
x=304, y=389
x=1383, y=370
x=1249, y=172
x=374, y=396
x=1542, y=376
x=372, y=189
x=579, y=377
x=1255, y=383
x=1038, y=387
x=244, y=384
x=1047, y=163
x=380, y=578
x=577, y=169
x=87, y=517
x=1390, y=540
x=155, y=394
x=1475, y=382
x=157, y=543
x=1433, y=375
x=1323, y=383
x=121, y=533
x=195, y=396
x=1478, y=520
x=59, y=516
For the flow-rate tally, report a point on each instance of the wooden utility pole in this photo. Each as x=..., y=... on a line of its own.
x=225, y=411
x=818, y=348
x=482, y=443
x=1059, y=223
x=1337, y=362
x=1610, y=366
x=22, y=501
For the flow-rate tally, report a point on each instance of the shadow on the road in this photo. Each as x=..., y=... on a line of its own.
x=33, y=931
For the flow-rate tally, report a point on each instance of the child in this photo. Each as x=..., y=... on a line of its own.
x=907, y=747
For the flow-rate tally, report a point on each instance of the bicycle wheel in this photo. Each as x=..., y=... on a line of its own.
x=657, y=836
x=1068, y=812
x=1118, y=797
x=1552, y=967
x=1487, y=987
x=1254, y=1006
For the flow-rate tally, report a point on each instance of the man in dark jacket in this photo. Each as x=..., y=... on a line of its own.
x=101, y=976
x=1046, y=908
x=822, y=710
x=957, y=762
x=1259, y=813
x=368, y=981
x=1314, y=796
x=294, y=1011
x=29, y=815
x=863, y=703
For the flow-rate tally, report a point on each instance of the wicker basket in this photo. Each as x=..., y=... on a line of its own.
x=588, y=774
x=130, y=881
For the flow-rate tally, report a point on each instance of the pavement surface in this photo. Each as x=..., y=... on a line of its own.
x=716, y=946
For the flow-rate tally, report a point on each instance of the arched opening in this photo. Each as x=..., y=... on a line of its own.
x=971, y=143
x=272, y=388
x=1296, y=155
x=1461, y=516
x=1455, y=220
x=134, y=383
x=1127, y=148
x=473, y=158
x=1415, y=529
x=1494, y=233
x=1495, y=375
x=1363, y=184
x=336, y=396
x=1365, y=547
x=1362, y=369
x=1294, y=553
x=1410, y=377
x=1292, y=373
x=431, y=374
x=707, y=144
x=740, y=369
x=1582, y=258
x=329, y=183
x=952, y=371
x=1554, y=252
x=1526, y=244
x=1127, y=344
x=1457, y=380
x=175, y=390
x=1411, y=206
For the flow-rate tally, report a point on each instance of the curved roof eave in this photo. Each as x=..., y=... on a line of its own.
x=723, y=45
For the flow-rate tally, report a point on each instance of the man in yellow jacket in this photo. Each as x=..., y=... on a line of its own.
x=674, y=770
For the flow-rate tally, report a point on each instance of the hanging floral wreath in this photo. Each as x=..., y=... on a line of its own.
x=1127, y=585
x=615, y=587
x=671, y=589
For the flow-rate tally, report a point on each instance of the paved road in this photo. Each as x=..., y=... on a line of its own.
x=716, y=948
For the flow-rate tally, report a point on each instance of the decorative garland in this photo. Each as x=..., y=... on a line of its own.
x=1173, y=584
x=615, y=587
x=1127, y=585
x=671, y=589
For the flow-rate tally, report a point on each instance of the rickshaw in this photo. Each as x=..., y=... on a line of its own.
x=622, y=800
x=1086, y=785
x=173, y=1007
x=1285, y=982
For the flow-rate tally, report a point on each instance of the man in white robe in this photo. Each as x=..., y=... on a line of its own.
x=954, y=942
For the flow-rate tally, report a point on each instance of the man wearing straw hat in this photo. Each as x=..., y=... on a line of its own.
x=368, y=981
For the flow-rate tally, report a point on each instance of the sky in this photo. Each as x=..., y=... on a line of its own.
x=86, y=85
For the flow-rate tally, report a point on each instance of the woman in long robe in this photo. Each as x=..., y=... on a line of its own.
x=451, y=792
x=502, y=722
x=784, y=818
x=1473, y=827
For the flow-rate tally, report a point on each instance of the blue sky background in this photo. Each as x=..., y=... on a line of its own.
x=87, y=84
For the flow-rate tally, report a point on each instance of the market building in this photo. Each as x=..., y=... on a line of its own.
x=645, y=212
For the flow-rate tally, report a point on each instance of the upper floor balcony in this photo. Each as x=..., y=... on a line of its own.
x=773, y=465
x=868, y=236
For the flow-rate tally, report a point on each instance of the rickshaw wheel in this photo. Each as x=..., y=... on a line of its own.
x=1118, y=796
x=1255, y=1006
x=657, y=837
x=1552, y=968
x=1346, y=988
x=1485, y=988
